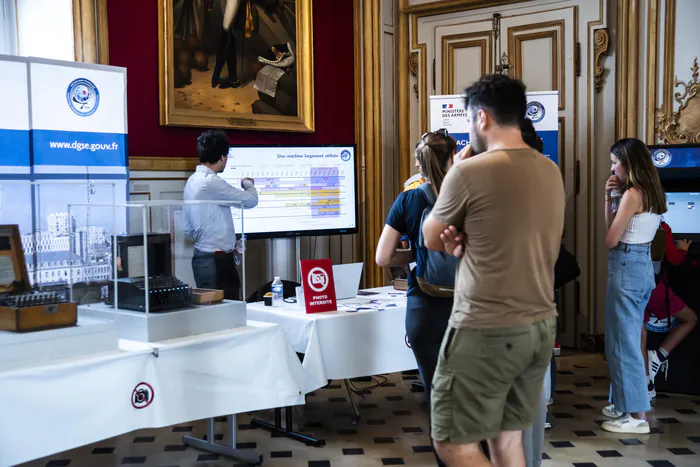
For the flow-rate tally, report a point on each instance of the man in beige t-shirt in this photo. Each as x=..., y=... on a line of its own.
x=502, y=211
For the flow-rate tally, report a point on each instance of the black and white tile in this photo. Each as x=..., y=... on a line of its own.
x=393, y=430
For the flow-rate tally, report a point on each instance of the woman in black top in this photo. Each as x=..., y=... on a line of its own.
x=426, y=317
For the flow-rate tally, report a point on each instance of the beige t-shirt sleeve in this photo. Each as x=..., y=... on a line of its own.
x=451, y=205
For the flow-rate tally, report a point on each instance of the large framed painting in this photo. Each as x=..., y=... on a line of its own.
x=240, y=64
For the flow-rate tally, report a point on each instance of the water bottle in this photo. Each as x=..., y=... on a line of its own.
x=277, y=295
x=615, y=197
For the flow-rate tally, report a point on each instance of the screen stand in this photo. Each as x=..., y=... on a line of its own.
x=209, y=445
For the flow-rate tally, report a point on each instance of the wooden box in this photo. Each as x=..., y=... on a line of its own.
x=14, y=281
x=37, y=318
x=207, y=296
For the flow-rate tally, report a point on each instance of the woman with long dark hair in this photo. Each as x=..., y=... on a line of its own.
x=631, y=229
x=426, y=316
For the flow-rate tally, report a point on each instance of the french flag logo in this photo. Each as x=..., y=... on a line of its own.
x=447, y=106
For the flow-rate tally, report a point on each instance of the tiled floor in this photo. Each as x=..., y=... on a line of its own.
x=393, y=431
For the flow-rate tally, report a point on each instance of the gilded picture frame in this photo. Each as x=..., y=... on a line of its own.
x=269, y=47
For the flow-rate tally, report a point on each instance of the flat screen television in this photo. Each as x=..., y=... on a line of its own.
x=679, y=170
x=302, y=190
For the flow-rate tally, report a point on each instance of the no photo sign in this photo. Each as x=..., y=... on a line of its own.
x=319, y=287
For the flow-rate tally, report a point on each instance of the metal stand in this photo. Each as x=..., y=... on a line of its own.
x=288, y=430
x=249, y=457
x=355, y=420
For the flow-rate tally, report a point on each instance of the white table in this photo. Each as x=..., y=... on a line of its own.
x=342, y=344
x=81, y=401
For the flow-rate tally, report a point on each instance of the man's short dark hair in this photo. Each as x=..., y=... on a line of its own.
x=211, y=146
x=501, y=96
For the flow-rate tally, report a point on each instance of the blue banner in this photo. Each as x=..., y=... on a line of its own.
x=14, y=148
x=550, y=140
x=53, y=147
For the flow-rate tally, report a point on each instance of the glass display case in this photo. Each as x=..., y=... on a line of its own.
x=153, y=265
x=46, y=324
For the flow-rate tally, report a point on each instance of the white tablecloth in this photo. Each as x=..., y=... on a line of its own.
x=53, y=408
x=228, y=372
x=342, y=344
x=60, y=406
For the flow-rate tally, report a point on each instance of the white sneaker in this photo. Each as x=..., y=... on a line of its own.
x=547, y=426
x=626, y=424
x=550, y=402
x=655, y=365
x=610, y=412
x=652, y=394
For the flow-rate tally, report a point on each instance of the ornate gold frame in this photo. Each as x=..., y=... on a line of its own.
x=671, y=129
x=304, y=122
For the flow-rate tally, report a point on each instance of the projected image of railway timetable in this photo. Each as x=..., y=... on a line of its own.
x=302, y=191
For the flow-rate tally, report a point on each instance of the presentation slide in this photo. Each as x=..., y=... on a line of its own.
x=302, y=190
x=683, y=214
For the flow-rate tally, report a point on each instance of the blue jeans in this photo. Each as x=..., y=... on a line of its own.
x=426, y=324
x=630, y=282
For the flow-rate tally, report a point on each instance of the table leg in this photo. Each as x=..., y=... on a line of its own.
x=250, y=457
x=355, y=420
x=288, y=430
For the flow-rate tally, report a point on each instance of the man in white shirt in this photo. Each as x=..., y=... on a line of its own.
x=211, y=226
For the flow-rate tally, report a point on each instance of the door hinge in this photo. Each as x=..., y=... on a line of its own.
x=577, y=59
x=434, y=77
x=577, y=177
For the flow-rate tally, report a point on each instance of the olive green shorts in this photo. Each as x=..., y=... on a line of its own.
x=489, y=380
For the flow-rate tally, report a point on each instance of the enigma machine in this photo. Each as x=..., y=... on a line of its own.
x=165, y=292
x=21, y=308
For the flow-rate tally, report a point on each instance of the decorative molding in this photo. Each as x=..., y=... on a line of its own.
x=91, y=43
x=669, y=56
x=627, y=74
x=413, y=69
x=557, y=33
x=368, y=27
x=403, y=97
x=601, y=41
x=652, y=69
x=450, y=43
x=102, y=33
x=592, y=265
x=671, y=129
x=167, y=164
x=449, y=6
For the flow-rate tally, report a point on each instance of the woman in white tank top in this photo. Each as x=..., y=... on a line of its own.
x=631, y=228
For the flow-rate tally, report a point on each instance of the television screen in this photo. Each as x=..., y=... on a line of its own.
x=682, y=156
x=683, y=215
x=309, y=190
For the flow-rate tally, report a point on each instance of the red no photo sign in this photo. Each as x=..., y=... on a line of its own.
x=319, y=287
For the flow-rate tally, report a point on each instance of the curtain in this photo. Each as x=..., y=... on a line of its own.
x=8, y=27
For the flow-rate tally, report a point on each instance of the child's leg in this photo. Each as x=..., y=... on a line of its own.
x=687, y=321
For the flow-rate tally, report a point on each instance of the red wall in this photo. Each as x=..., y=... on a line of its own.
x=133, y=43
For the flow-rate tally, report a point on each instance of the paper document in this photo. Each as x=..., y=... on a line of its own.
x=7, y=270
